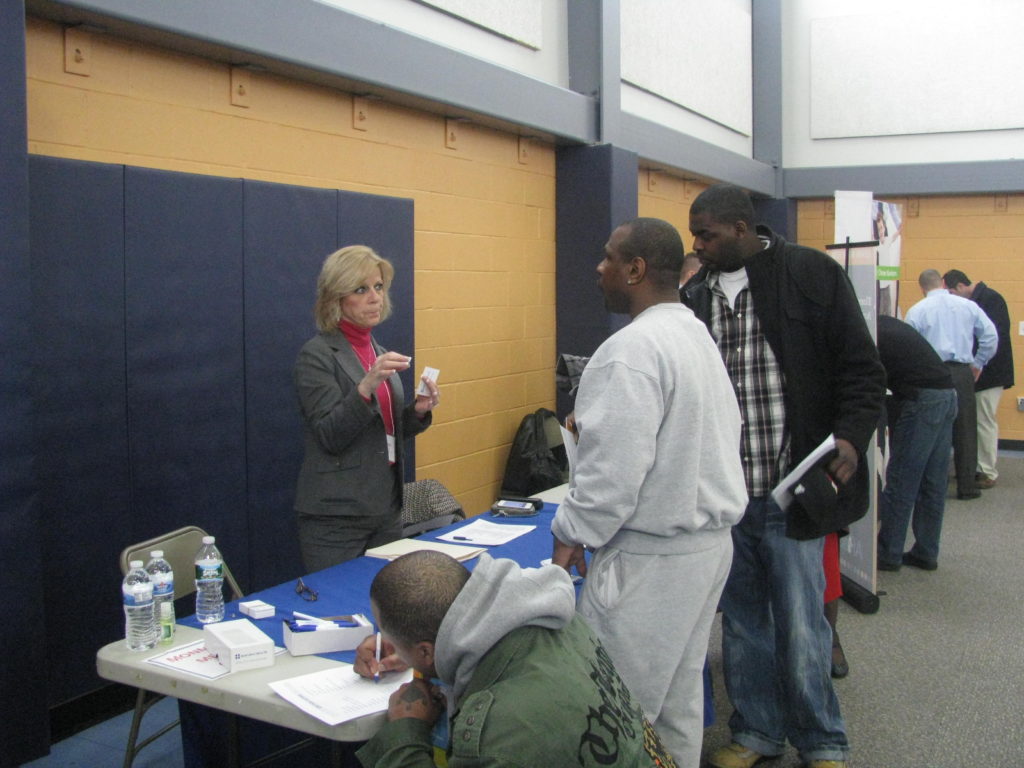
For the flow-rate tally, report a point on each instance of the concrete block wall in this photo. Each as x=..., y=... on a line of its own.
x=982, y=235
x=484, y=211
x=663, y=196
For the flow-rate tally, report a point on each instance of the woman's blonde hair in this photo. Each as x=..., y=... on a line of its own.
x=343, y=272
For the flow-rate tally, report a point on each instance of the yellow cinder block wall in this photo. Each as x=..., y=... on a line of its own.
x=982, y=235
x=484, y=218
x=663, y=196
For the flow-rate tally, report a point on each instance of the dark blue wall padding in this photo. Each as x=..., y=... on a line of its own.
x=186, y=388
x=24, y=725
x=288, y=233
x=386, y=225
x=779, y=215
x=595, y=191
x=167, y=311
x=81, y=420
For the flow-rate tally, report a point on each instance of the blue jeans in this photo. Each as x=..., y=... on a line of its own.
x=915, y=481
x=776, y=643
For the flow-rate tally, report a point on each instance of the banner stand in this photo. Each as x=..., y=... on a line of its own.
x=864, y=600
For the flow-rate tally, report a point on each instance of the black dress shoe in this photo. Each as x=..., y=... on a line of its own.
x=919, y=562
x=840, y=667
x=969, y=495
x=883, y=566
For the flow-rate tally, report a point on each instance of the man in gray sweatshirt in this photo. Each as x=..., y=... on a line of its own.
x=657, y=485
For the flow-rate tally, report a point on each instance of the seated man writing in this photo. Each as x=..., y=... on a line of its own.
x=524, y=680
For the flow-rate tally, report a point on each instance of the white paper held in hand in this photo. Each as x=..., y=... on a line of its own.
x=431, y=373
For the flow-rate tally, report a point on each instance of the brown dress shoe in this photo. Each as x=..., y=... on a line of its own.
x=984, y=481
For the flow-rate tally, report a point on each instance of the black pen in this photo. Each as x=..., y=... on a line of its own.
x=462, y=538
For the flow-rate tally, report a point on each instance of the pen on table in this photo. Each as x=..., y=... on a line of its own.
x=463, y=538
x=306, y=616
x=376, y=675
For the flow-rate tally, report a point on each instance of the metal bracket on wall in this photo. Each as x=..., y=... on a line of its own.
x=241, y=86
x=360, y=113
x=77, y=51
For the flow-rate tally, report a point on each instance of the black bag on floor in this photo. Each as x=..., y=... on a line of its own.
x=537, y=459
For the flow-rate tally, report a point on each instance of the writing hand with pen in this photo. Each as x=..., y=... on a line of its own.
x=369, y=665
x=417, y=699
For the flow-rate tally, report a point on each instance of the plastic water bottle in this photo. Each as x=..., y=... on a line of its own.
x=209, y=583
x=162, y=576
x=137, y=595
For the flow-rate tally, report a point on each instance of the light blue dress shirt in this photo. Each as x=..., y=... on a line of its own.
x=950, y=324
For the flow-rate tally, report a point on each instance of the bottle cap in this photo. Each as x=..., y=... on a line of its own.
x=156, y=553
x=208, y=539
x=134, y=564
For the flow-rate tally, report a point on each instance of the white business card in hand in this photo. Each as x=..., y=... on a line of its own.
x=431, y=373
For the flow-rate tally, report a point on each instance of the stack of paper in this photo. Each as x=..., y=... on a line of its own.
x=337, y=695
x=487, y=533
x=782, y=494
x=403, y=546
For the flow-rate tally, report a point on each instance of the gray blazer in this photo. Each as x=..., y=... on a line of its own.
x=345, y=470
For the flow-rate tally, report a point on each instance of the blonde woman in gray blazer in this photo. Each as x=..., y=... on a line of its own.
x=349, y=494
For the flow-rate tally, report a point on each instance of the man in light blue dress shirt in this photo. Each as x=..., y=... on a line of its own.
x=951, y=324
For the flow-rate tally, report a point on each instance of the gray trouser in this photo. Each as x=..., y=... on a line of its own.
x=653, y=613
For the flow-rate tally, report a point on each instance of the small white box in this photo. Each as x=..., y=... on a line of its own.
x=327, y=639
x=239, y=645
x=257, y=609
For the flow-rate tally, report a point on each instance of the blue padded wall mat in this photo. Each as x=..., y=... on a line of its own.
x=288, y=233
x=169, y=309
x=81, y=416
x=24, y=725
x=386, y=225
x=184, y=326
x=595, y=192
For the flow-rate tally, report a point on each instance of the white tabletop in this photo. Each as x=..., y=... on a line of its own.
x=246, y=693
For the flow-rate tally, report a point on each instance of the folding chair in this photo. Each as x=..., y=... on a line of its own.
x=180, y=549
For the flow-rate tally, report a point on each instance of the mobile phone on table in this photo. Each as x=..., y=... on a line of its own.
x=513, y=508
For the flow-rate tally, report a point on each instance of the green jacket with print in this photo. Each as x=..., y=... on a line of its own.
x=539, y=698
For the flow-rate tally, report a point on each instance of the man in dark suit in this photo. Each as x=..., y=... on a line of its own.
x=994, y=378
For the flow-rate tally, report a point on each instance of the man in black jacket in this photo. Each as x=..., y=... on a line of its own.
x=994, y=378
x=804, y=367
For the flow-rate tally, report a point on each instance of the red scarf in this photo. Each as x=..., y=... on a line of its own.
x=359, y=338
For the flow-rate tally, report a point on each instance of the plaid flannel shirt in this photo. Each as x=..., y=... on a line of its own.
x=759, y=385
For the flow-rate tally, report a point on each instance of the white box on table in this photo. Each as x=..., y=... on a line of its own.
x=257, y=609
x=239, y=645
x=327, y=639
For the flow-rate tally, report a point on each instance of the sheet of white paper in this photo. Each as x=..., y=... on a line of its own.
x=783, y=492
x=487, y=533
x=569, y=440
x=403, y=546
x=193, y=659
x=339, y=694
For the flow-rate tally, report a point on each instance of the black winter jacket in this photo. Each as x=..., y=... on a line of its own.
x=835, y=383
x=999, y=371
